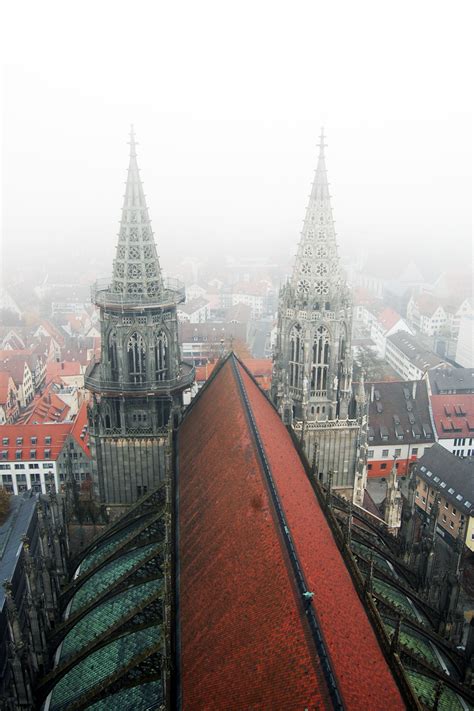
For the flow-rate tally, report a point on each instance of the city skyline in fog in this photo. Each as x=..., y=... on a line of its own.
x=227, y=108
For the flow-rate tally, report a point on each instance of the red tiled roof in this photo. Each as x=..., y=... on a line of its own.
x=453, y=415
x=48, y=407
x=57, y=432
x=427, y=304
x=15, y=365
x=6, y=384
x=245, y=641
x=62, y=370
x=389, y=318
x=203, y=372
x=80, y=428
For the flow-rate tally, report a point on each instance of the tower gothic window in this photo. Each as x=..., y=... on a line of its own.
x=112, y=353
x=320, y=360
x=296, y=357
x=161, y=356
x=136, y=350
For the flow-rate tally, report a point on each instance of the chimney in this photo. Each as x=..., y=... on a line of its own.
x=413, y=390
x=372, y=392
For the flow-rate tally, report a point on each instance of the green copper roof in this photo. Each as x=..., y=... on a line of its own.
x=105, y=548
x=105, y=577
x=399, y=600
x=379, y=560
x=416, y=643
x=138, y=698
x=95, y=669
x=107, y=615
x=424, y=687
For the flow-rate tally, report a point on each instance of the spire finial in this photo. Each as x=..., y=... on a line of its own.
x=322, y=144
x=132, y=143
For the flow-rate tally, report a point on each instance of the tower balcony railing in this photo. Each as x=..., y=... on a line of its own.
x=96, y=383
x=172, y=293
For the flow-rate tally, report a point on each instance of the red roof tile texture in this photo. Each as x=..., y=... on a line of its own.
x=453, y=415
x=244, y=644
x=245, y=639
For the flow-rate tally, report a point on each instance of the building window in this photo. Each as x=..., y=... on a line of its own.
x=454, y=512
x=5, y=441
x=320, y=360
x=417, y=495
x=384, y=452
x=19, y=466
x=446, y=505
x=296, y=356
x=18, y=454
x=136, y=350
x=451, y=524
x=161, y=356
x=398, y=452
x=423, y=498
x=113, y=360
x=4, y=454
x=19, y=440
x=444, y=518
x=414, y=450
x=33, y=440
x=47, y=440
x=370, y=454
x=369, y=467
x=32, y=453
x=425, y=487
x=383, y=466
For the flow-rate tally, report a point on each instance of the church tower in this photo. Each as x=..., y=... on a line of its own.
x=312, y=361
x=138, y=383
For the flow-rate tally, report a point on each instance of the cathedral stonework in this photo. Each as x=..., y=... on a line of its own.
x=312, y=377
x=138, y=383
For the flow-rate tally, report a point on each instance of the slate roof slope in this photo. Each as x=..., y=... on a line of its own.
x=245, y=639
x=451, y=475
x=399, y=413
x=451, y=380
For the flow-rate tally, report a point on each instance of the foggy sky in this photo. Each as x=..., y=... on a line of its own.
x=227, y=100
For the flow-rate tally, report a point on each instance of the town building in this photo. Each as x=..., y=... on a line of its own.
x=385, y=323
x=195, y=311
x=16, y=365
x=448, y=479
x=427, y=314
x=311, y=384
x=410, y=358
x=138, y=384
x=9, y=409
x=465, y=343
x=450, y=381
x=42, y=457
x=453, y=419
x=399, y=426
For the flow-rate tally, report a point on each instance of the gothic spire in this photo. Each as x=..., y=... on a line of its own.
x=316, y=273
x=136, y=265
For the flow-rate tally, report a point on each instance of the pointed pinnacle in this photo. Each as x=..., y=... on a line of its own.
x=322, y=145
x=132, y=143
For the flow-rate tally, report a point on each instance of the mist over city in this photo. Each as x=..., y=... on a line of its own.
x=236, y=356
